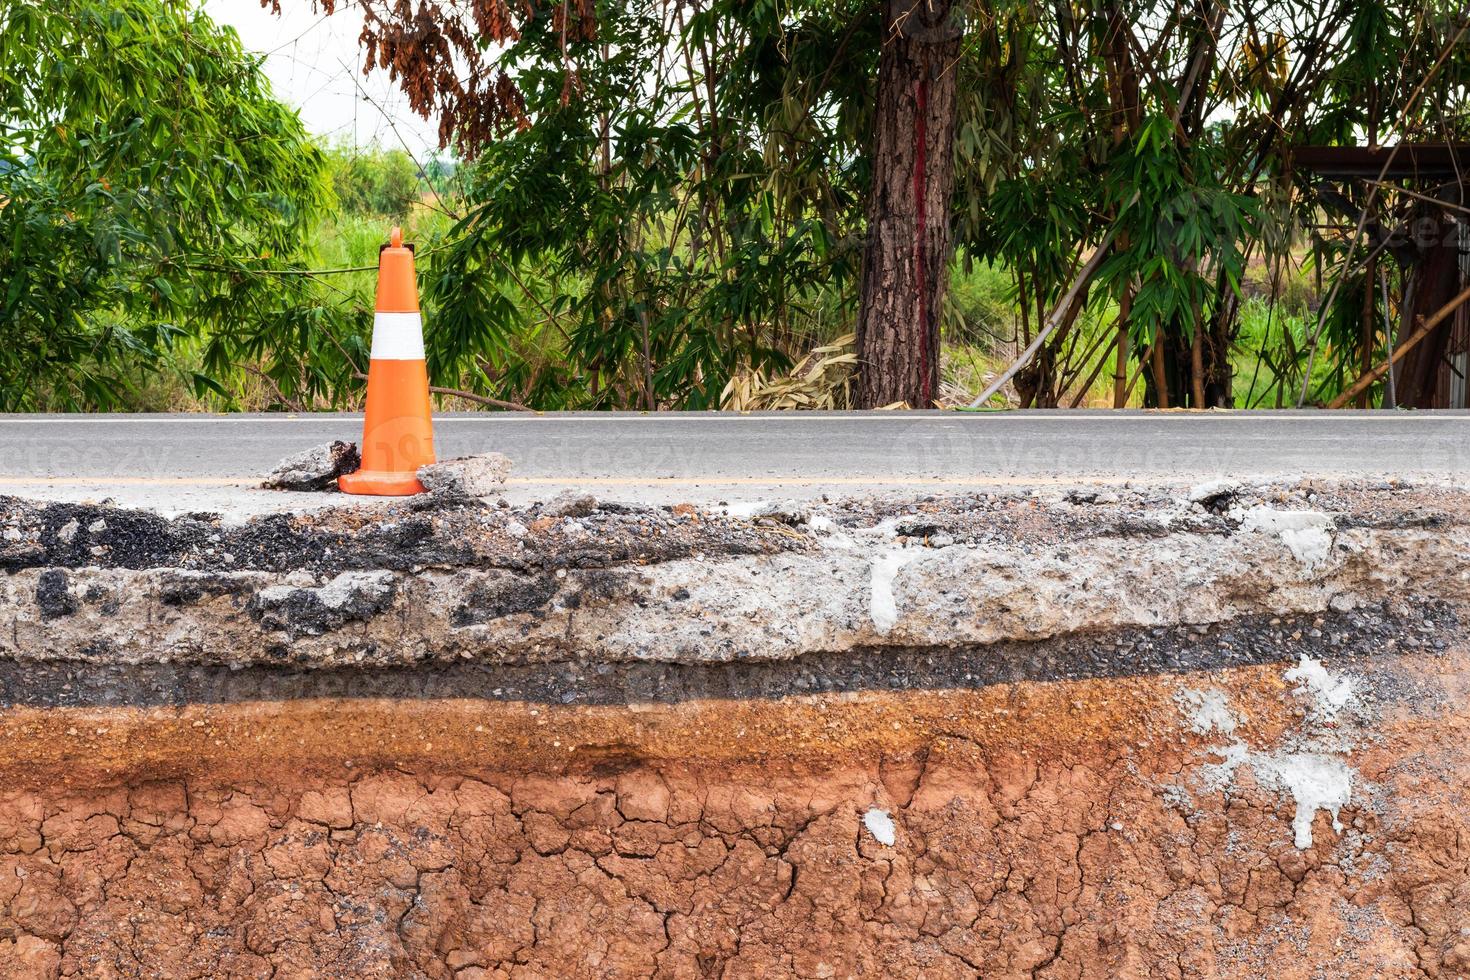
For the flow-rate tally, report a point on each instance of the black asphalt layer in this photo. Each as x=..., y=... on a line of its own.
x=847, y=449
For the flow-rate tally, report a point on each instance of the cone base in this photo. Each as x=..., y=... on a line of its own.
x=380, y=483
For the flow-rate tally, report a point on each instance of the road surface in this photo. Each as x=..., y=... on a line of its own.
x=191, y=462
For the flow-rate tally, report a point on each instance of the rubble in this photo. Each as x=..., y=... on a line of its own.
x=464, y=580
x=1215, y=494
x=570, y=504
x=466, y=476
x=316, y=468
x=790, y=512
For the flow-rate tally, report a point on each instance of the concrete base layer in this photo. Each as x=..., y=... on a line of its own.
x=1292, y=821
x=1133, y=733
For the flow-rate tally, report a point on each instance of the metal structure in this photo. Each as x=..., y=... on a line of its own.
x=1428, y=235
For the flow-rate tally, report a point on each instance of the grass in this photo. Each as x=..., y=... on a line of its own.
x=345, y=241
x=1265, y=330
x=982, y=337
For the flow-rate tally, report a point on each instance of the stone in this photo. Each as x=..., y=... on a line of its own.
x=570, y=504
x=315, y=469
x=466, y=476
x=1215, y=495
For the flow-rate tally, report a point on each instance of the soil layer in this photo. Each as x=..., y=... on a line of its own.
x=1091, y=827
x=1107, y=733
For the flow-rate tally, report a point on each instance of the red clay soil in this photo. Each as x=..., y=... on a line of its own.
x=1052, y=830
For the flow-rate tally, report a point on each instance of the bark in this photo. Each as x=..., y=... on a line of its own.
x=1436, y=282
x=906, y=258
x=1197, y=367
x=1219, y=372
x=1156, y=394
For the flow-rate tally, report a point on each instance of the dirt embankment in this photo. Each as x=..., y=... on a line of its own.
x=1265, y=784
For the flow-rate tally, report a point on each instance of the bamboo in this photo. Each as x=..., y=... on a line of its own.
x=1161, y=378
x=1120, y=376
x=1425, y=329
x=1369, y=325
x=1055, y=320
x=1197, y=365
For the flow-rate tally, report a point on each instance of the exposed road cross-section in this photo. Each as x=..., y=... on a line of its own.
x=938, y=695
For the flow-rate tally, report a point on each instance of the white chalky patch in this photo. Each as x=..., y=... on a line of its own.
x=350, y=586
x=880, y=825
x=790, y=511
x=1307, y=534
x=746, y=509
x=346, y=588
x=830, y=533
x=1207, y=711
x=1315, y=780
x=1329, y=694
x=882, y=603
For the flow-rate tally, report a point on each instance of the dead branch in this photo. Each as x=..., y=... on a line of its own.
x=1425, y=329
x=1055, y=318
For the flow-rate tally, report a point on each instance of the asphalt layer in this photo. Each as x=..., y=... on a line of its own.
x=407, y=534
x=177, y=463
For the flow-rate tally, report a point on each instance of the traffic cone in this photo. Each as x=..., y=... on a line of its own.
x=397, y=434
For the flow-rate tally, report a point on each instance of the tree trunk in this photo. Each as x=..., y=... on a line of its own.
x=906, y=258
x=1435, y=281
x=1220, y=373
x=1191, y=373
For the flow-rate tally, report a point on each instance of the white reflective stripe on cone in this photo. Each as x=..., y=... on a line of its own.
x=398, y=337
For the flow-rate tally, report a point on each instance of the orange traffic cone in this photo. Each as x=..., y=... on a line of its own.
x=397, y=434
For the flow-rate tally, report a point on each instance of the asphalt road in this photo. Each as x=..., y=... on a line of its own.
x=177, y=462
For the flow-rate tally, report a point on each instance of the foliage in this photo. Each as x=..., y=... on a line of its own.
x=676, y=218
x=1170, y=127
x=375, y=181
x=821, y=380
x=658, y=198
x=690, y=179
x=148, y=180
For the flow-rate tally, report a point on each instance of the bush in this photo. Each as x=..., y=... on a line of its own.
x=375, y=181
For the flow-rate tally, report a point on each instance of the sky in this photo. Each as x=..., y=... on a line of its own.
x=315, y=65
